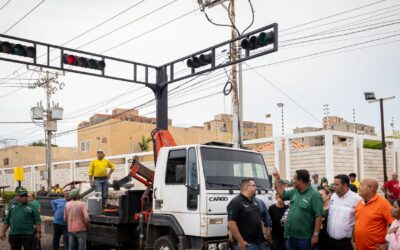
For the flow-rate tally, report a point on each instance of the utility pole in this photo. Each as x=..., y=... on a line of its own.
x=326, y=123
x=370, y=97
x=392, y=125
x=280, y=105
x=235, y=95
x=51, y=115
x=354, y=121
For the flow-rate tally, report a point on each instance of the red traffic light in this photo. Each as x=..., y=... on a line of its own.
x=83, y=62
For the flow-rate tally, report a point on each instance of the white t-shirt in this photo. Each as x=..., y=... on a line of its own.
x=341, y=217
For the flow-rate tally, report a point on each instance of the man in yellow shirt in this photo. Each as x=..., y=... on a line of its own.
x=353, y=180
x=98, y=175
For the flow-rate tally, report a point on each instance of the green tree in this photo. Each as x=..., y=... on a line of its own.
x=144, y=143
x=372, y=144
x=41, y=144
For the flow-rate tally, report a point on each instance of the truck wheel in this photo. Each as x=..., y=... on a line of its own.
x=166, y=242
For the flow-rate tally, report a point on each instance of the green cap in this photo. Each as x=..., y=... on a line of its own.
x=21, y=191
x=324, y=179
x=74, y=193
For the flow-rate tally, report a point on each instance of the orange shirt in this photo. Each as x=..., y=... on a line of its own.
x=372, y=220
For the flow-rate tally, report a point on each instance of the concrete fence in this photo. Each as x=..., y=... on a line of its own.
x=67, y=171
x=341, y=153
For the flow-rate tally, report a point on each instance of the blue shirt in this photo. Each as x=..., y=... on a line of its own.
x=58, y=207
x=264, y=213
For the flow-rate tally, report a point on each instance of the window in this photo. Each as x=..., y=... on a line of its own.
x=176, y=167
x=225, y=168
x=193, y=190
x=104, y=140
x=6, y=161
x=85, y=146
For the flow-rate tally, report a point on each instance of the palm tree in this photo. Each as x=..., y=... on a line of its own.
x=144, y=143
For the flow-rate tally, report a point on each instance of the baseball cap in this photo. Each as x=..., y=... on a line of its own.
x=324, y=179
x=100, y=151
x=21, y=191
x=315, y=175
x=74, y=193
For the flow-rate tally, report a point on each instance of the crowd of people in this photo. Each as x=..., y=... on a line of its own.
x=70, y=220
x=346, y=214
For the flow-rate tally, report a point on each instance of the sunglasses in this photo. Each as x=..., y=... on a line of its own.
x=23, y=195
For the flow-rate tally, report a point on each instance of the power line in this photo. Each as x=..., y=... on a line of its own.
x=147, y=32
x=22, y=18
x=283, y=93
x=334, y=15
x=127, y=24
x=345, y=34
x=325, y=51
x=347, y=18
x=4, y=5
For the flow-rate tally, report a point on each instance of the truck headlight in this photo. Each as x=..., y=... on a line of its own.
x=212, y=246
x=223, y=246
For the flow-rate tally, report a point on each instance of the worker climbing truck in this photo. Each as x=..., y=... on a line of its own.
x=184, y=204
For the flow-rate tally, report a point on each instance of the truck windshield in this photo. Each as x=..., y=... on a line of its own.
x=225, y=169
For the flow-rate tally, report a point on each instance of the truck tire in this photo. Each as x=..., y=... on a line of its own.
x=166, y=242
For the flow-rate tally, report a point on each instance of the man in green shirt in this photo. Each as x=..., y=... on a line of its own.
x=305, y=212
x=22, y=218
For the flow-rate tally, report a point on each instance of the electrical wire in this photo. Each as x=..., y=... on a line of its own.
x=127, y=24
x=4, y=5
x=345, y=19
x=22, y=18
x=334, y=15
x=340, y=35
x=149, y=31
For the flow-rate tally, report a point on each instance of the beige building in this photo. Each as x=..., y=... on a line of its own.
x=30, y=155
x=334, y=123
x=339, y=124
x=122, y=133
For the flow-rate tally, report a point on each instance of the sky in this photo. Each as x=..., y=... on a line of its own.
x=330, y=52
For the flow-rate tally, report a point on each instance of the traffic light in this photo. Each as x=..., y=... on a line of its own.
x=83, y=62
x=255, y=42
x=17, y=49
x=202, y=60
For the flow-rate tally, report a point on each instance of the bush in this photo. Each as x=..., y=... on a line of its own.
x=372, y=144
x=8, y=195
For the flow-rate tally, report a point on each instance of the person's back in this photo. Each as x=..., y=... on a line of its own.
x=58, y=206
x=76, y=216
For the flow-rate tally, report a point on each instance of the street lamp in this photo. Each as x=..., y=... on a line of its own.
x=280, y=105
x=370, y=97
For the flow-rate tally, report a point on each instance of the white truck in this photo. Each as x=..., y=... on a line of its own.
x=184, y=206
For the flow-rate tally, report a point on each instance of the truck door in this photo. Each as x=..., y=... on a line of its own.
x=181, y=189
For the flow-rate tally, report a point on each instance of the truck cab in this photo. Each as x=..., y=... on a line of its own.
x=192, y=188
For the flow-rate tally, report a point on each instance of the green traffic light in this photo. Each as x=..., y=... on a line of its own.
x=18, y=50
x=265, y=38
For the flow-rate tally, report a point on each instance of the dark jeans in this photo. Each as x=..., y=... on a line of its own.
x=101, y=186
x=17, y=241
x=298, y=244
x=278, y=243
x=77, y=241
x=343, y=244
x=59, y=230
x=252, y=247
